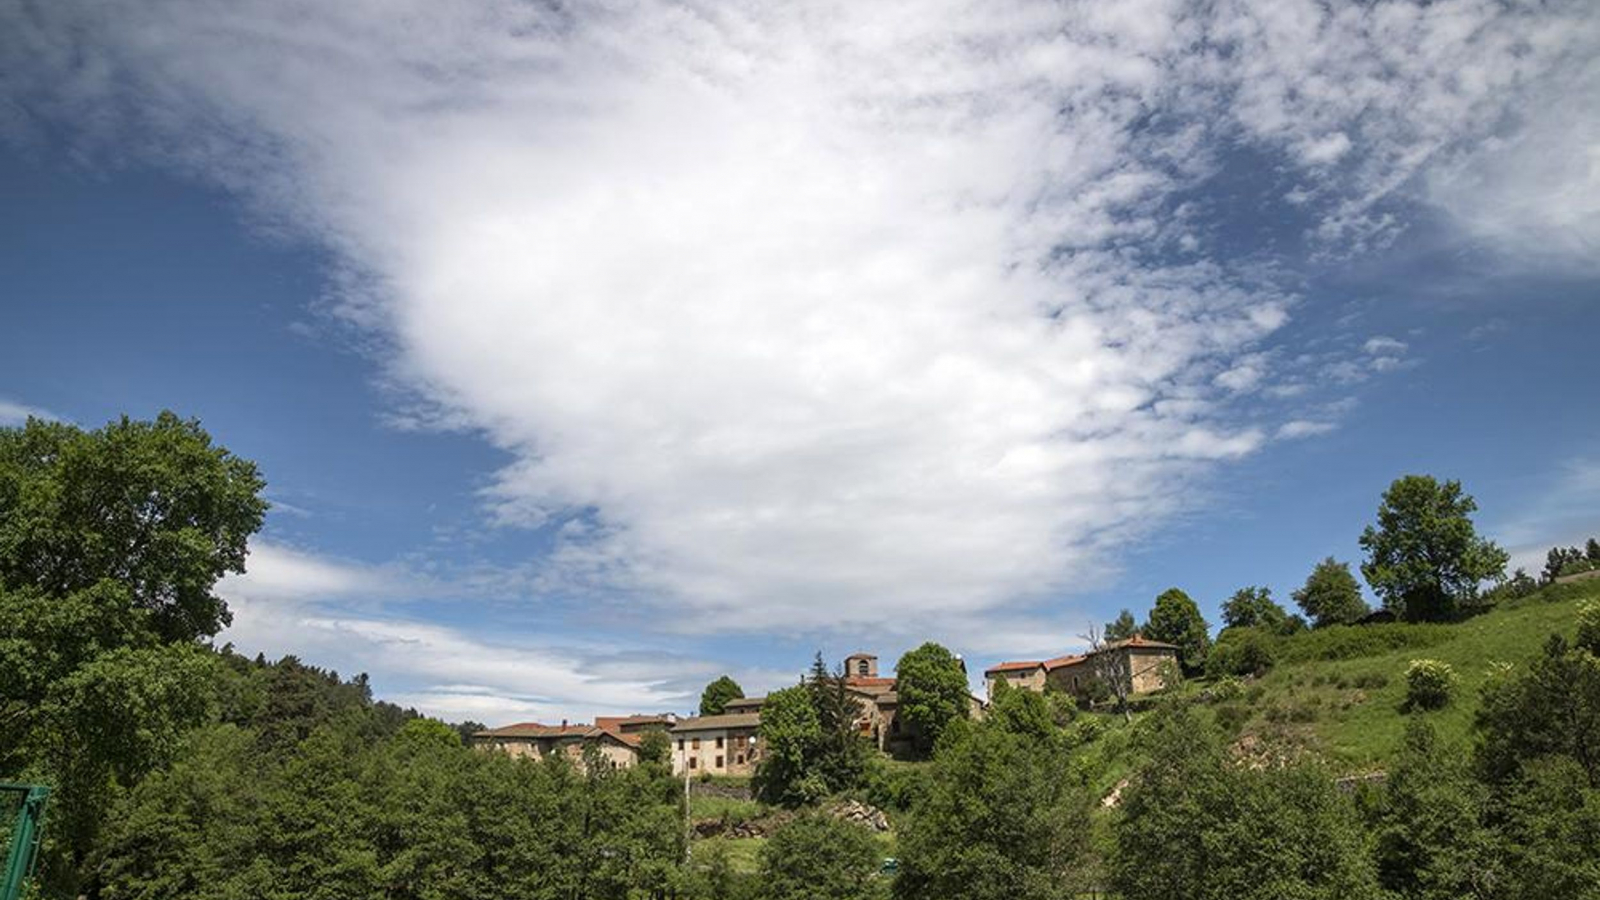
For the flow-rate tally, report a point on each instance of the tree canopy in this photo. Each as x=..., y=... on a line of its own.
x=1424, y=557
x=153, y=507
x=1253, y=607
x=1331, y=595
x=714, y=699
x=1121, y=628
x=932, y=685
x=1176, y=619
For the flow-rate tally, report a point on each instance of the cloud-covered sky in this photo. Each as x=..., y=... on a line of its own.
x=827, y=319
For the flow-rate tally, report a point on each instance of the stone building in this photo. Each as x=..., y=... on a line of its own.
x=729, y=744
x=616, y=738
x=1142, y=665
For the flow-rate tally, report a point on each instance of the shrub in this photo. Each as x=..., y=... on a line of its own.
x=1589, y=626
x=1338, y=642
x=1241, y=652
x=817, y=857
x=1429, y=684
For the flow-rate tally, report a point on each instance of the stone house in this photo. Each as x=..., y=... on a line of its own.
x=1141, y=664
x=616, y=738
x=729, y=744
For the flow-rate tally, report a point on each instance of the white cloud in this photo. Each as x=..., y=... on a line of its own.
x=13, y=414
x=1303, y=428
x=1383, y=345
x=811, y=315
x=1559, y=512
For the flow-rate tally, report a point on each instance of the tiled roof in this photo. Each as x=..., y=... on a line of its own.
x=709, y=723
x=1014, y=666
x=870, y=685
x=537, y=730
x=1050, y=665
x=744, y=703
x=1139, y=640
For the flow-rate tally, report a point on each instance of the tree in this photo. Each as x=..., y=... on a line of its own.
x=655, y=746
x=1004, y=815
x=1253, y=607
x=714, y=699
x=1591, y=549
x=932, y=685
x=1549, y=711
x=1424, y=558
x=1331, y=595
x=841, y=754
x=818, y=857
x=1558, y=560
x=1112, y=677
x=1195, y=826
x=1430, y=844
x=1176, y=619
x=792, y=735
x=153, y=506
x=1122, y=628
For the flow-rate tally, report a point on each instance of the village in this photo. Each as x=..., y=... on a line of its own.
x=731, y=742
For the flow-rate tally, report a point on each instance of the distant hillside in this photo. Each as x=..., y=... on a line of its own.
x=1339, y=691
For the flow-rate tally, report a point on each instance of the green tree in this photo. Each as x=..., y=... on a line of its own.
x=655, y=746
x=1176, y=619
x=841, y=755
x=1591, y=549
x=1430, y=844
x=1121, y=628
x=714, y=699
x=1005, y=814
x=1253, y=607
x=1331, y=595
x=1195, y=826
x=818, y=857
x=793, y=737
x=1424, y=558
x=932, y=685
x=1241, y=652
x=152, y=506
x=1549, y=711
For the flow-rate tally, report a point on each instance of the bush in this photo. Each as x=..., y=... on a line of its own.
x=1589, y=627
x=1429, y=684
x=818, y=857
x=1241, y=652
x=1338, y=642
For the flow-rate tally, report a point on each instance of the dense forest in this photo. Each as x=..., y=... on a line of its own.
x=182, y=769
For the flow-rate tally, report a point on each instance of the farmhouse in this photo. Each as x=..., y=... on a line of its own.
x=616, y=738
x=1141, y=665
x=729, y=744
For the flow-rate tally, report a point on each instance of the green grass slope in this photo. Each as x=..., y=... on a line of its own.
x=1340, y=692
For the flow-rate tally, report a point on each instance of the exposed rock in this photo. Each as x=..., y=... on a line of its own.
x=861, y=813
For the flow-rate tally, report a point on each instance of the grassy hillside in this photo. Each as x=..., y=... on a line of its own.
x=1340, y=691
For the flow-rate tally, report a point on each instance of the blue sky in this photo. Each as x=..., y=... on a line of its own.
x=590, y=356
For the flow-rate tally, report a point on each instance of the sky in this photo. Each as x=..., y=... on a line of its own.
x=592, y=351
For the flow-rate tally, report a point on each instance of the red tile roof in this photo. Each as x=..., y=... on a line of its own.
x=863, y=681
x=1050, y=665
x=1014, y=666
x=537, y=730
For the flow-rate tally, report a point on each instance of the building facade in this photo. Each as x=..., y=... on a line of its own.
x=1142, y=666
x=729, y=744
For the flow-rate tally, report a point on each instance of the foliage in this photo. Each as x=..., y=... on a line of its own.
x=152, y=506
x=1570, y=560
x=1241, y=652
x=1589, y=627
x=1331, y=595
x=818, y=857
x=840, y=756
x=1003, y=816
x=1253, y=607
x=1176, y=619
x=1519, y=585
x=933, y=692
x=655, y=746
x=1121, y=628
x=792, y=734
x=1550, y=711
x=1194, y=825
x=1429, y=842
x=714, y=699
x=1429, y=684
x=1424, y=558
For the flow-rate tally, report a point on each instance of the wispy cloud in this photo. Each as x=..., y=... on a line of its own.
x=794, y=315
x=12, y=413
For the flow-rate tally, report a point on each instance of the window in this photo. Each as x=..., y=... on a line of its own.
x=680, y=743
x=692, y=762
x=739, y=760
x=719, y=762
x=719, y=743
x=861, y=667
x=696, y=744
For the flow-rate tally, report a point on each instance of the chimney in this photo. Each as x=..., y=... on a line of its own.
x=563, y=723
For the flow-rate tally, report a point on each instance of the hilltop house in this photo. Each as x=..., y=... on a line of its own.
x=729, y=744
x=616, y=738
x=1141, y=664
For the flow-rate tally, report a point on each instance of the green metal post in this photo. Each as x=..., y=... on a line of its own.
x=25, y=835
